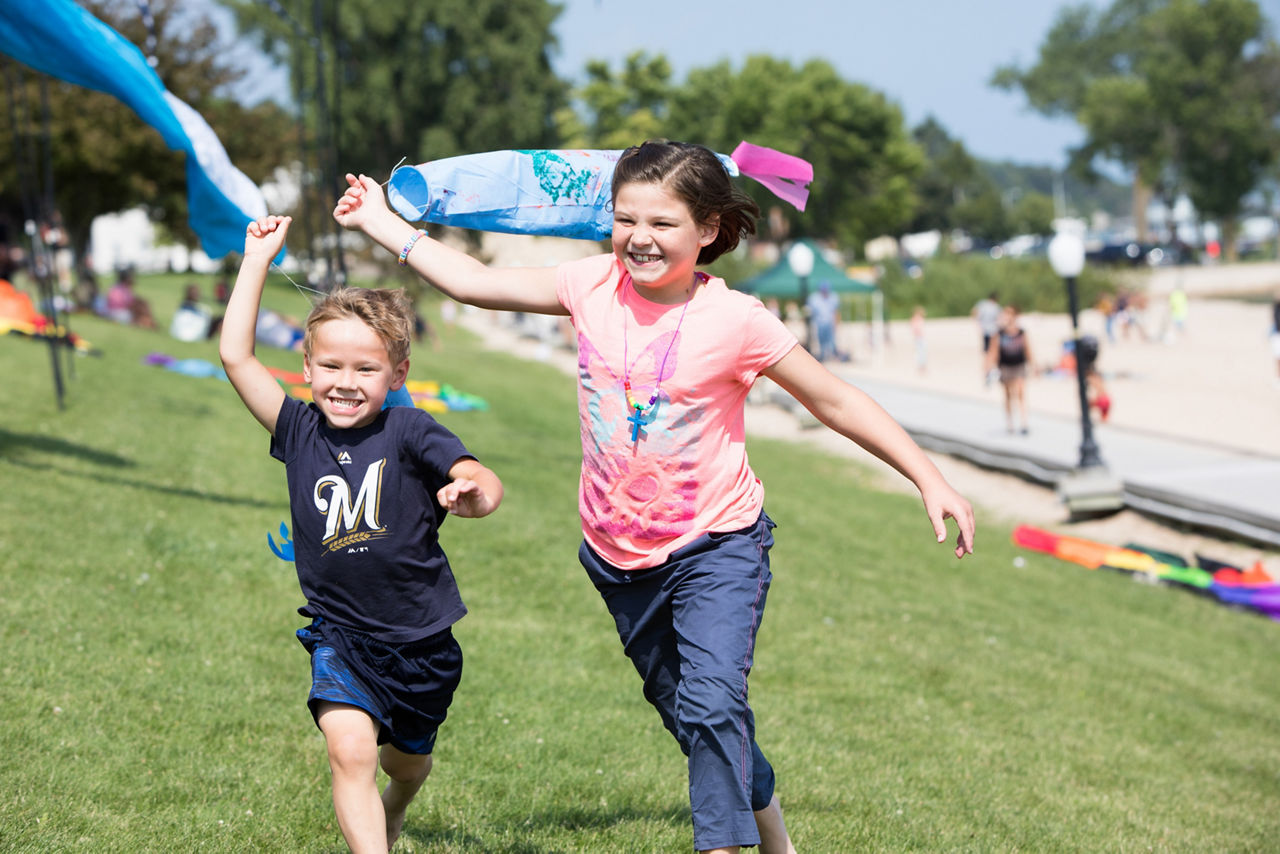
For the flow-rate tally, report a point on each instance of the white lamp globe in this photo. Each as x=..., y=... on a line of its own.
x=1066, y=254
x=800, y=259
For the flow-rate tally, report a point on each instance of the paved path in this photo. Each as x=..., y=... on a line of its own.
x=1190, y=481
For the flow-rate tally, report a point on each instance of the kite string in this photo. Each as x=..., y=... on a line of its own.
x=305, y=290
x=393, y=170
x=302, y=289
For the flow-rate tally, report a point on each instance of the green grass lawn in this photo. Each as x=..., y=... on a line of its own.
x=152, y=693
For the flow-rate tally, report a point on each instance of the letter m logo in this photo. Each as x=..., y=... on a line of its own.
x=343, y=512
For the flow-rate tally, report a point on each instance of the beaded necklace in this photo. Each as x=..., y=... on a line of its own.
x=640, y=410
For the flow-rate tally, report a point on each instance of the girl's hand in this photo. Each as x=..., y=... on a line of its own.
x=362, y=201
x=942, y=502
x=265, y=237
x=464, y=497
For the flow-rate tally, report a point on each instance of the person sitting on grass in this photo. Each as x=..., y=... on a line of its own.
x=125, y=306
x=368, y=490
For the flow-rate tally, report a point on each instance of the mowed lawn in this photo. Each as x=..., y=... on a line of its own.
x=152, y=692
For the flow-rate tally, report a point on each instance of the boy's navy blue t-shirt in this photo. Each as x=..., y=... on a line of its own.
x=366, y=519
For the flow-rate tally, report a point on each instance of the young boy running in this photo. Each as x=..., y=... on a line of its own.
x=368, y=490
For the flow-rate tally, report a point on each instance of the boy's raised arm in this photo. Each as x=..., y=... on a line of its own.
x=252, y=381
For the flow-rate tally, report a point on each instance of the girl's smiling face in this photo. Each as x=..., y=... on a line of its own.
x=657, y=240
x=350, y=372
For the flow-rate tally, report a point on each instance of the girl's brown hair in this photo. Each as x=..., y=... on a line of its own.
x=695, y=175
x=389, y=313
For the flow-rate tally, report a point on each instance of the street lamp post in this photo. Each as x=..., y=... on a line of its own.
x=1066, y=256
x=800, y=260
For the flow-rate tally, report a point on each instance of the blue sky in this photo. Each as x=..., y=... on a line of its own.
x=931, y=57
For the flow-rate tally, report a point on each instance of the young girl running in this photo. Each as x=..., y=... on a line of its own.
x=675, y=535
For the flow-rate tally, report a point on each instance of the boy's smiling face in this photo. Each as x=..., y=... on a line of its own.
x=350, y=372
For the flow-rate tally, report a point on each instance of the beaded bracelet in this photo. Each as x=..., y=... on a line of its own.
x=408, y=247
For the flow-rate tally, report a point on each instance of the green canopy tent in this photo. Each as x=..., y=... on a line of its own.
x=781, y=282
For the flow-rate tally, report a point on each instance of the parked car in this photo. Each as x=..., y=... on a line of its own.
x=1133, y=254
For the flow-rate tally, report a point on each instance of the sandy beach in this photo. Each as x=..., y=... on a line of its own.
x=1216, y=382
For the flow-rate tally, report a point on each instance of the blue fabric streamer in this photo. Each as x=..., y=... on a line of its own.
x=60, y=39
x=562, y=193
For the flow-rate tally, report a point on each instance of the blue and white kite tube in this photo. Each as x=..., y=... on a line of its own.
x=63, y=40
x=560, y=193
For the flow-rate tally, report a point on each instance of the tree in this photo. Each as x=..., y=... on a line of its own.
x=1086, y=70
x=991, y=202
x=1033, y=213
x=1214, y=71
x=1184, y=92
x=983, y=216
x=104, y=157
x=949, y=184
x=620, y=110
x=421, y=80
x=864, y=162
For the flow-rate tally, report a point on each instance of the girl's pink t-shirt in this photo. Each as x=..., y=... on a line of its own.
x=686, y=474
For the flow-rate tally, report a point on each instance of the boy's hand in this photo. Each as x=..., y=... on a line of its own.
x=361, y=203
x=464, y=497
x=942, y=502
x=265, y=237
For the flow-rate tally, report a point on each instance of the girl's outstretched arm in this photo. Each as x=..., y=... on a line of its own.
x=257, y=388
x=854, y=415
x=363, y=207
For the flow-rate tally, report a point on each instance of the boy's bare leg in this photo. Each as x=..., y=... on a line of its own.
x=407, y=772
x=352, y=740
x=773, y=830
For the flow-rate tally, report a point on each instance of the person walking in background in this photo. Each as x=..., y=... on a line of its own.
x=1178, y=311
x=917, y=338
x=1275, y=334
x=824, y=312
x=1010, y=354
x=1107, y=308
x=987, y=313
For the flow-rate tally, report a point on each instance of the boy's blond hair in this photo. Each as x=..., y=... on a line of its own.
x=388, y=312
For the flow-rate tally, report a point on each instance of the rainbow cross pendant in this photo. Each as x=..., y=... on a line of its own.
x=637, y=421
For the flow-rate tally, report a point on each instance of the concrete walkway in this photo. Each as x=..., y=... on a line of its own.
x=1193, y=482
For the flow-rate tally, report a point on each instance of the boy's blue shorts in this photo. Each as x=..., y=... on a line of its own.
x=406, y=688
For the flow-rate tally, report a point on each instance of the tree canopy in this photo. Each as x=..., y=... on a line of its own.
x=1183, y=92
x=417, y=80
x=865, y=163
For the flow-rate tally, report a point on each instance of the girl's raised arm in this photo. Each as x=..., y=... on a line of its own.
x=853, y=414
x=363, y=207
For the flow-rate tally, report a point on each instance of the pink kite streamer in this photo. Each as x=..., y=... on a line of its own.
x=785, y=175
